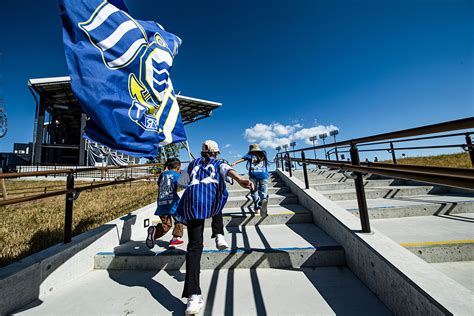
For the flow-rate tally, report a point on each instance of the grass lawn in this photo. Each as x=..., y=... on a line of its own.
x=29, y=227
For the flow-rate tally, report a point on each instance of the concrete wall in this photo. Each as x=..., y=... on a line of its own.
x=405, y=283
x=41, y=274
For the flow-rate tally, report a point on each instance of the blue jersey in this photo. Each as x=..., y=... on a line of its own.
x=257, y=168
x=206, y=193
x=168, y=198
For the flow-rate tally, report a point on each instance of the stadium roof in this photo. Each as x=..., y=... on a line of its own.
x=57, y=92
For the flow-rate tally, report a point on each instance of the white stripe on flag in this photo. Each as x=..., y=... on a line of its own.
x=162, y=71
x=160, y=82
x=103, y=14
x=122, y=60
x=158, y=56
x=115, y=37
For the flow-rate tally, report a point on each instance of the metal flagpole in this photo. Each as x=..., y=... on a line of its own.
x=190, y=155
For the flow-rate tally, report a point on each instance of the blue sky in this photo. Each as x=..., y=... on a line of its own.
x=363, y=66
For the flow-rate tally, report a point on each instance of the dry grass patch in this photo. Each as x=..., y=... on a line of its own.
x=460, y=160
x=29, y=227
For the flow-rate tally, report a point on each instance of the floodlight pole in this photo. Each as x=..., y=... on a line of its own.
x=278, y=148
x=293, y=145
x=324, y=143
x=313, y=139
x=285, y=147
x=335, y=148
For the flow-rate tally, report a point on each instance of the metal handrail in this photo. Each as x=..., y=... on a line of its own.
x=418, y=138
x=12, y=175
x=405, y=148
x=71, y=192
x=454, y=177
x=75, y=190
x=417, y=131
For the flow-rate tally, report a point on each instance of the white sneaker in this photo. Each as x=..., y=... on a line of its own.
x=221, y=244
x=195, y=303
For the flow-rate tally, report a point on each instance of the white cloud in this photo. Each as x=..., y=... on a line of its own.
x=227, y=145
x=259, y=131
x=277, y=134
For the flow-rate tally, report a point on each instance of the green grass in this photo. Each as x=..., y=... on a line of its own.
x=459, y=160
x=29, y=227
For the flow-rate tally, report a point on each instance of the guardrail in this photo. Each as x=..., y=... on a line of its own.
x=453, y=177
x=72, y=192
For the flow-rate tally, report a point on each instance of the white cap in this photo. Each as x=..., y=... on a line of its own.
x=210, y=146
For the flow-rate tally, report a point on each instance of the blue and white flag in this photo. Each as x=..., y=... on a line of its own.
x=120, y=72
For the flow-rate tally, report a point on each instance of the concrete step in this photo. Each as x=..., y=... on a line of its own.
x=274, y=199
x=274, y=183
x=461, y=272
x=383, y=192
x=442, y=238
x=420, y=205
x=315, y=177
x=267, y=246
x=351, y=185
x=271, y=190
x=335, y=177
x=307, y=291
x=277, y=215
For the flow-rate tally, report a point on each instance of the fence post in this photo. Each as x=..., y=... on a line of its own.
x=392, y=150
x=360, y=191
x=277, y=161
x=69, y=206
x=305, y=170
x=289, y=165
x=283, y=162
x=4, y=187
x=470, y=149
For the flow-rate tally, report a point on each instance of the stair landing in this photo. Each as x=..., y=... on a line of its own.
x=328, y=291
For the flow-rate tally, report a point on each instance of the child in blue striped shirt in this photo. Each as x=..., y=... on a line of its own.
x=205, y=197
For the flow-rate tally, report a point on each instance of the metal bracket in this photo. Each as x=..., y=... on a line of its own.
x=75, y=195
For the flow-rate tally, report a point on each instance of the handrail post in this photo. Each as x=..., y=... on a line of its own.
x=470, y=149
x=289, y=165
x=69, y=206
x=4, y=187
x=360, y=191
x=283, y=162
x=392, y=150
x=305, y=170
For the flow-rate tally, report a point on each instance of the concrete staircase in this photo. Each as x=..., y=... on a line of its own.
x=279, y=264
x=435, y=223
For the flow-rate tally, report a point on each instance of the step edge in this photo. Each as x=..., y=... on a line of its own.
x=229, y=251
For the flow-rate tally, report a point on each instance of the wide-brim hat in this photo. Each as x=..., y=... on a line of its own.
x=254, y=148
